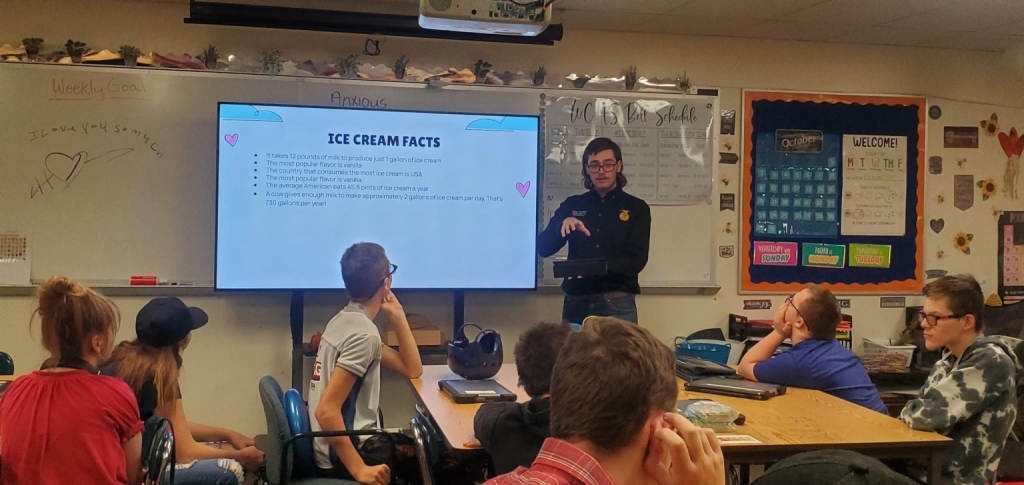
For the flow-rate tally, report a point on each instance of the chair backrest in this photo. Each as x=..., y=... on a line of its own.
x=431, y=436
x=6, y=364
x=707, y=334
x=420, y=436
x=157, y=452
x=297, y=414
x=277, y=429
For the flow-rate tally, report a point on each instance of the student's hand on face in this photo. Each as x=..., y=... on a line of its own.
x=391, y=306
x=251, y=458
x=695, y=453
x=373, y=475
x=779, y=317
x=571, y=224
x=784, y=328
x=239, y=441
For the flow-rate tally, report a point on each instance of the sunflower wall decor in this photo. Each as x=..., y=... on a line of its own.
x=962, y=241
x=991, y=125
x=988, y=188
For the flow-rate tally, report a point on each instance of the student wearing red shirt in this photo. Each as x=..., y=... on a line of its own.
x=67, y=424
x=612, y=389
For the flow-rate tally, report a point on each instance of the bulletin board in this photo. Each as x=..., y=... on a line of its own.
x=833, y=192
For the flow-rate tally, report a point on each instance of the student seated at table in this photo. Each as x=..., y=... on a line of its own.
x=150, y=365
x=613, y=390
x=971, y=393
x=66, y=424
x=817, y=360
x=513, y=433
x=344, y=392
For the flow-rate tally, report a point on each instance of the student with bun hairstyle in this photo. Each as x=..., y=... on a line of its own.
x=67, y=424
x=150, y=365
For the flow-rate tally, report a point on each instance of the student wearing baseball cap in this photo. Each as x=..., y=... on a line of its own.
x=150, y=365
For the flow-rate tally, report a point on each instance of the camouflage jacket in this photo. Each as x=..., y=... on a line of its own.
x=972, y=400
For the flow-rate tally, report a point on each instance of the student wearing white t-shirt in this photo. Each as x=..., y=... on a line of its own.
x=344, y=392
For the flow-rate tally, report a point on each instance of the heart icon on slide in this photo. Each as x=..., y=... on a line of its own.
x=523, y=188
x=231, y=139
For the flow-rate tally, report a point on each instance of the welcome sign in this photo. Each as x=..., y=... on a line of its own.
x=775, y=253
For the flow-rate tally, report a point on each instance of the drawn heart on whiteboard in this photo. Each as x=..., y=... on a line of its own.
x=523, y=188
x=231, y=139
x=937, y=225
x=63, y=166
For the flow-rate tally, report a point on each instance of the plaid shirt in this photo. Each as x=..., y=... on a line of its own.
x=558, y=463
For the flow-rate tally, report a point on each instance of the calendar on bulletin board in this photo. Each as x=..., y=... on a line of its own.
x=1011, y=256
x=832, y=192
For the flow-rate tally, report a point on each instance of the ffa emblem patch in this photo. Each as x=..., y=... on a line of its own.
x=624, y=216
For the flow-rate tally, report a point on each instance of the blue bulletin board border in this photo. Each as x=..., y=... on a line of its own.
x=837, y=114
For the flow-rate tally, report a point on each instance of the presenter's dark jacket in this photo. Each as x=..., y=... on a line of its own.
x=620, y=233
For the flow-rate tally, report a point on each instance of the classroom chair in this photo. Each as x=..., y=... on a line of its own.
x=279, y=459
x=157, y=452
x=707, y=334
x=6, y=364
x=428, y=448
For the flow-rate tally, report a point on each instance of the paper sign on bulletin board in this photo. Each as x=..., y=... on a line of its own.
x=834, y=185
x=1011, y=256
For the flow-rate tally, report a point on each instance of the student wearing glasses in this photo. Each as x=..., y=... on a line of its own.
x=344, y=392
x=971, y=393
x=817, y=360
x=604, y=224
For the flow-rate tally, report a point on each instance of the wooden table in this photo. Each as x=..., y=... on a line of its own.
x=801, y=420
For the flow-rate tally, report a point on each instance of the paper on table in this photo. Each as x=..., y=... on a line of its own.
x=737, y=438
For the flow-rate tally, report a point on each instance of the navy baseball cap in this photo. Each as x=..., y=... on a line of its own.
x=166, y=321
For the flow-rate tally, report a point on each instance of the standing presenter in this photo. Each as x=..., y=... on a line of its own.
x=609, y=235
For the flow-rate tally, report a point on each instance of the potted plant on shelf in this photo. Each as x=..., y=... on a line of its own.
x=538, y=76
x=684, y=83
x=75, y=50
x=480, y=70
x=210, y=56
x=400, y=64
x=631, y=78
x=32, y=46
x=348, y=67
x=130, y=54
x=270, y=61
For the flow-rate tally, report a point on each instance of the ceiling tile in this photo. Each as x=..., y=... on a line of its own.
x=590, y=20
x=690, y=25
x=968, y=16
x=889, y=36
x=633, y=6
x=974, y=41
x=865, y=12
x=774, y=29
x=743, y=9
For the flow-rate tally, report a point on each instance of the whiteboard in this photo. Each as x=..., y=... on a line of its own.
x=111, y=172
x=669, y=147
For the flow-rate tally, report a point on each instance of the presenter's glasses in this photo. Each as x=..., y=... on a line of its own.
x=594, y=167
